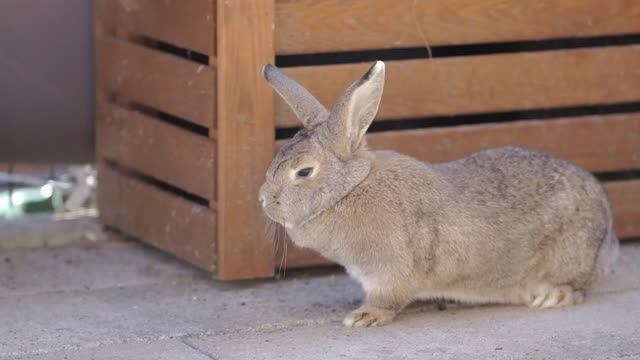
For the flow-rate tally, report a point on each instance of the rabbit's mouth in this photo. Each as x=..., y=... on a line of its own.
x=275, y=218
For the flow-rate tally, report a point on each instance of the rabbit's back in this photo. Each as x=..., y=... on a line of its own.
x=515, y=214
x=512, y=182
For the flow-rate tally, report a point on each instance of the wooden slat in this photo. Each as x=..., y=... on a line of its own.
x=187, y=24
x=310, y=26
x=245, y=133
x=166, y=221
x=156, y=79
x=476, y=84
x=625, y=199
x=597, y=143
x=152, y=147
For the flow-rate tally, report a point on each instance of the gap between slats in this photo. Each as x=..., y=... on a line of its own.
x=157, y=149
x=144, y=211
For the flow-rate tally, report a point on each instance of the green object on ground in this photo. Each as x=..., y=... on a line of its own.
x=28, y=200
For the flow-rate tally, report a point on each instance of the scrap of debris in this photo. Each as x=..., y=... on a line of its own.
x=48, y=208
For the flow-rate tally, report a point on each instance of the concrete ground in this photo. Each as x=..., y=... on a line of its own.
x=125, y=301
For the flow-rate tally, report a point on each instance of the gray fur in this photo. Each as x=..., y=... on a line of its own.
x=506, y=225
x=306, y=107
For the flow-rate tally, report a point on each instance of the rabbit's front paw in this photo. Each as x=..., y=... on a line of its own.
x=367, y=315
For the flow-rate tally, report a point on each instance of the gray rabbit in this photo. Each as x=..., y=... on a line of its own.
x=506, y=225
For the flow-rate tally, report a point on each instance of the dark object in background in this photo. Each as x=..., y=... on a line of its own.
x=46, y=81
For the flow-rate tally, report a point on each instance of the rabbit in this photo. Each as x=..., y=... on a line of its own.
x=510, y=225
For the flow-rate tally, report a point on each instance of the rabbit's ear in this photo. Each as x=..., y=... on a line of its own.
x=306, y=107
x=355, y=110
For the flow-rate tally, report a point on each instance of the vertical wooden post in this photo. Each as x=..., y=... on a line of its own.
x=245, y=135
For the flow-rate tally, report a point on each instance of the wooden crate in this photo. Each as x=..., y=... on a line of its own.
x=182, y=132
x=186, y=126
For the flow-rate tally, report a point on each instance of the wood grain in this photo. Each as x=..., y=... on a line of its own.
x=310, y=26
x=245, y=133
x=157, y=149
x=155, y=79
x=597, y=143
x=489, y=83
x=186, y=24
x=158, y=218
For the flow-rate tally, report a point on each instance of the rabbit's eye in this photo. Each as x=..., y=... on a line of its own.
x=303, y=173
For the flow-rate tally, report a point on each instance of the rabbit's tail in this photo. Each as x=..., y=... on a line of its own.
x=609, y=253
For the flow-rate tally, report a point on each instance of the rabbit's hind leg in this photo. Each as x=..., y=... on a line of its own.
x=544, y=296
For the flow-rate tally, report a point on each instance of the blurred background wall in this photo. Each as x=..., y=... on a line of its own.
x=46, y=81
